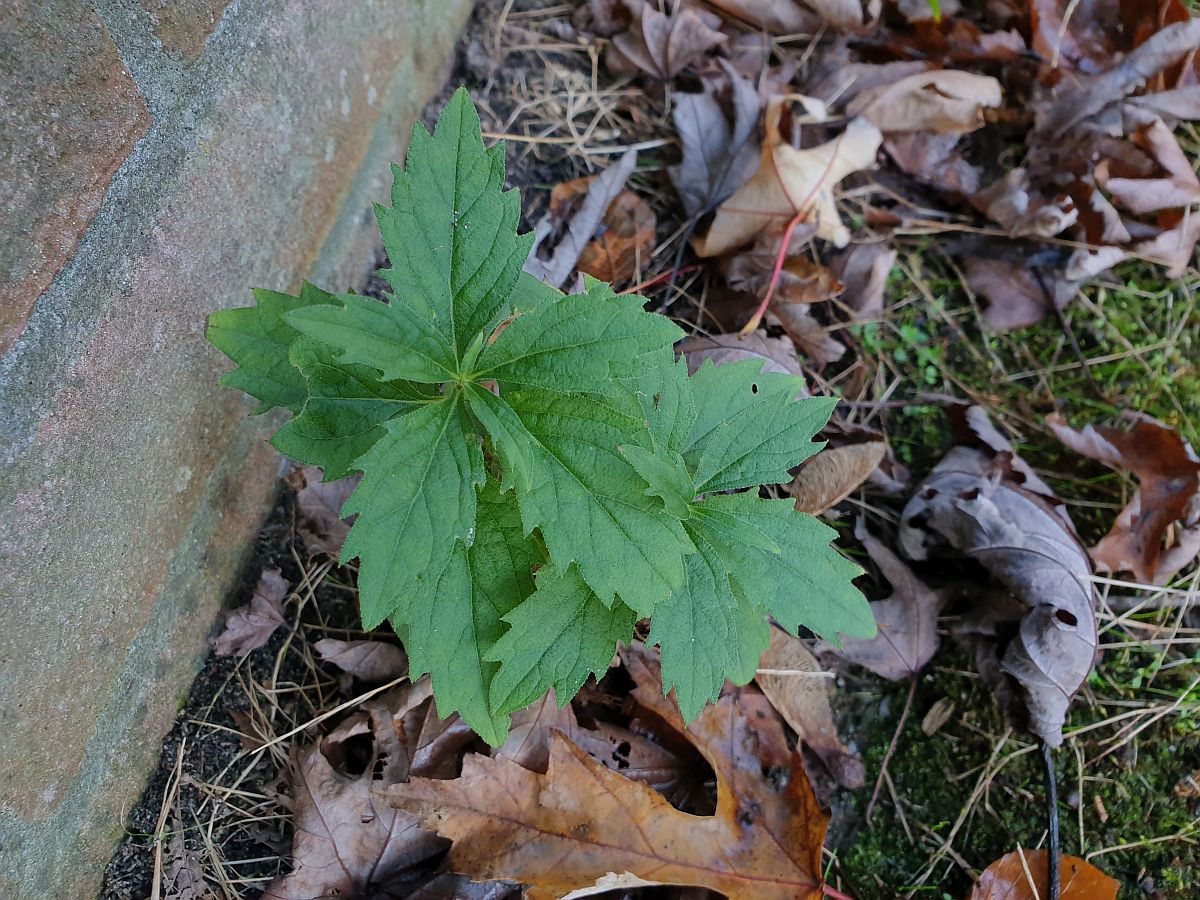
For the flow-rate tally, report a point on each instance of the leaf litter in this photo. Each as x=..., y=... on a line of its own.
x=801, y=211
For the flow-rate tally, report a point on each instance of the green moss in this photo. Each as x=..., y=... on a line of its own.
x=935, y=776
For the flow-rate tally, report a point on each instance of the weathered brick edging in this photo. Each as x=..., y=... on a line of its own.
x=156, y=159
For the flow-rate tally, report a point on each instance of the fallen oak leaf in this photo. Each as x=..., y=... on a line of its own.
x=792, y=185
x=1168, y=474
x=1008, y=878
x=791, y=678
x=249, y=627
x=581, y=828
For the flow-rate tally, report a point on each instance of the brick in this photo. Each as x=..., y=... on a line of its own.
x=69, y=115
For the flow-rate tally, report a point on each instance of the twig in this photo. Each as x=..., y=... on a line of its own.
x=1053, y=887
x=887, y=757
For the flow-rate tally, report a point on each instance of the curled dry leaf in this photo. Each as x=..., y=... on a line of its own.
x=321, y=524
x=833, y=474
x=942, y=100
x=376, y=661
x=1177, y=186
x=1035, y=642
x=863, y=270
x=1158, y=531
x=776, y=354
x=718, y=156
x=582, y=828
x=663, y=44
x=347, y=841
x=790, y=677
x=560, y=238
x=249, y=627
x=907, y=620
x=791, y=184
x=624, y=238
x=1008, y=878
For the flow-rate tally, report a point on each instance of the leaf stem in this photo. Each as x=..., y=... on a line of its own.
x=1052, y=863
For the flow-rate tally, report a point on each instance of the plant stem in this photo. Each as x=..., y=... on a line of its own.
x=1052, y=873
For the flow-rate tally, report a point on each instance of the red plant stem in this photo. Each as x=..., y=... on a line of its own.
x=912, y=691
x=755, y=319
x=834, y=893
x=633, y=289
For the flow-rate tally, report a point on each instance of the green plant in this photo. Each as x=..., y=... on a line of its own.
x=539, y=473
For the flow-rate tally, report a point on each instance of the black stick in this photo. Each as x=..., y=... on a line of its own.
x=1052, y=874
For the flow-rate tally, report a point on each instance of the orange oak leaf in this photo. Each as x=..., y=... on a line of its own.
x=581, y=828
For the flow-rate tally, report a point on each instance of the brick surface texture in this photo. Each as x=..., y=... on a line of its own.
x=157, y=159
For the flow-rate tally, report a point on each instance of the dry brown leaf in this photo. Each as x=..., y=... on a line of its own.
x=348, y=842
x=801, y=279
x=368, y=660
x=936, y=159
x=942, y=100
x=775, y=16
x=1015, y=298
x=249, y=627
x=624, y=239
x=776, y=354
x=1035, y=642
x=717, y=157
x=560, y=239
x=664, y=45
x=907, y=620
x=1178, y=187
x=791, y=183
x=321, y=524
x=1008, y=878
x=802, y=697
x=843, y=15
x=833, y=474
x=581, y=827
x=1158, y=531
x=863, y=270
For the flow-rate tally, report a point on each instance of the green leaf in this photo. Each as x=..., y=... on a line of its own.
x=258, y=339
x=558, y=637
x=582, y=343
x=707, y=630
x=750, y=428
x=560, y=456
x=666, y=476
x=397, y=338
x=415, y=503
x=451, y=234
x=346, y=407
x=481, y=584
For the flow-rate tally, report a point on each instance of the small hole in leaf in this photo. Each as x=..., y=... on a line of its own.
x=754, y=388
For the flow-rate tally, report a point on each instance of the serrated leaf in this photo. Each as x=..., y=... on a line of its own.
x=346, y=407
x=397, y=338
x=258, y=339
x=750, y=428
x=557, y=637
x=481, y=584
x=667, y=402
x=579, y=344
x=707, y=630
x=451, y=234
x=415, y=502
x=560, y=456
x=666, y=476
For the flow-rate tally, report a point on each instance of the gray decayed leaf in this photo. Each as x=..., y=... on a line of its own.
x=664, y=44
x=775, y=16
x=942, y=100
x=1158, y=531
x=1015, y=296
x=863, y=270
x=717, y=157
x=1178, y=186
x=249, y=627
x=368, y=660
x=907, y=620
x=1035, y=642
